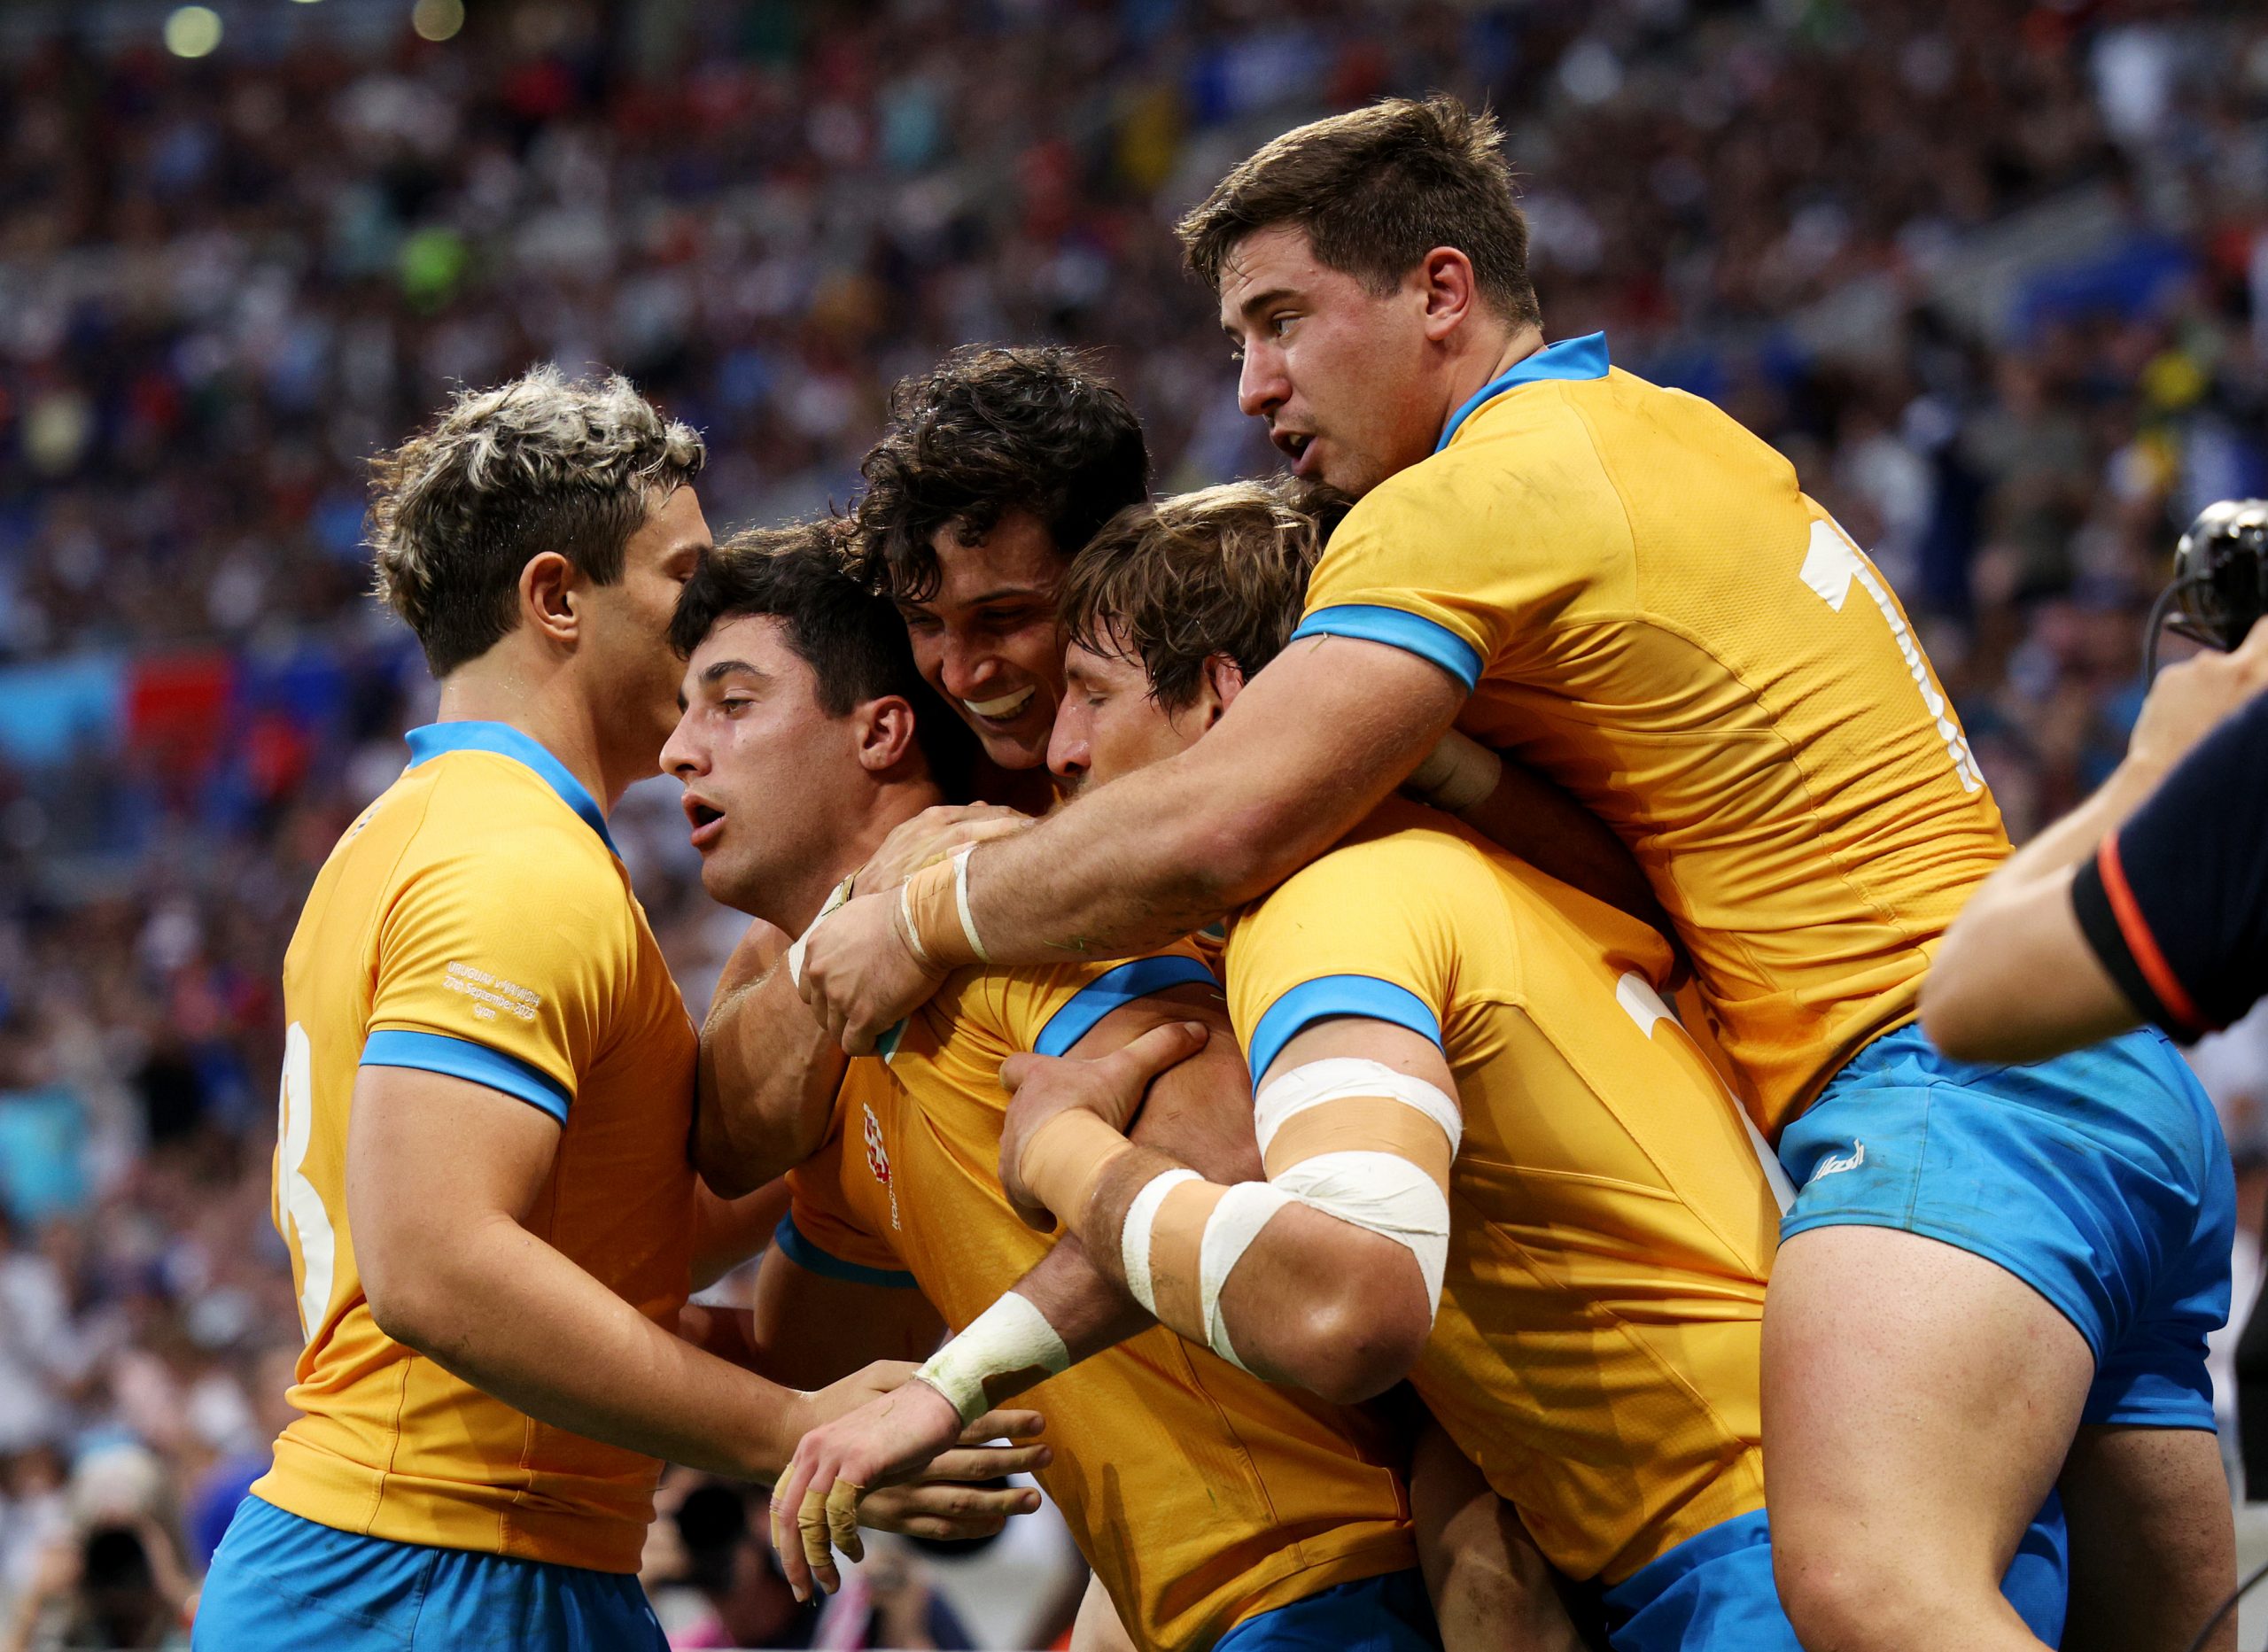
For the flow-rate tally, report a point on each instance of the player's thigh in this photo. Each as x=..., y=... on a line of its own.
x=2153, y=1539
x=1918, y=1401
x=1097, y=1627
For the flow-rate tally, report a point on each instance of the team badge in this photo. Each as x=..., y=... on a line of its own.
x=878, y=1160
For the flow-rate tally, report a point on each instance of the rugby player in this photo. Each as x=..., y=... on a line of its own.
x=998, y=466
x=481, y=1172
x=1632, y=594
x=1496, y=1163
x=1215, y=1508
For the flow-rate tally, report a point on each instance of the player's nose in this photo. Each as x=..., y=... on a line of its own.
x=967, y=670
x=681, y=754
x=1260, y=385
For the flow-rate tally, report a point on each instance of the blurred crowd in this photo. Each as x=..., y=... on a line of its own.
x=1994, y=277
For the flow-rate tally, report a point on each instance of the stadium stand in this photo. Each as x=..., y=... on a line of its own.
x=1994, y=277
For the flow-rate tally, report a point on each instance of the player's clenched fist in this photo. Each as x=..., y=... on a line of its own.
x=847, y=1472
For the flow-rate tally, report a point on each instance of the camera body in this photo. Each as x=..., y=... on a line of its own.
x=2220, y=573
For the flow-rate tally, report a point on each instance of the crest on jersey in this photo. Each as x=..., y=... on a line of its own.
x=878, y=1160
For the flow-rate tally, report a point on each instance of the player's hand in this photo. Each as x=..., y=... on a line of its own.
x=1110, y=1086
x=2191, y=696
x=931, y=835
x=851, y=1470
x=858, y=973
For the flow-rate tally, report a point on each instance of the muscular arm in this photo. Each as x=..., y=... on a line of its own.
x=1316, y=1301
x=1305, y=752
x=441, y=1174
x=2177, y=828
x=769, y=1072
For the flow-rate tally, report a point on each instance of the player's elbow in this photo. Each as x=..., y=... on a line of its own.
x=1238, y=853
x=413, y=1293
x=1356, y=1344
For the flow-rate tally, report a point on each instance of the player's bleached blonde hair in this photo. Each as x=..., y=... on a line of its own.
x=542, y=463
x=1223, y=570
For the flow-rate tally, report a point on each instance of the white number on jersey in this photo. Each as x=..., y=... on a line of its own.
x=1644, y=1006
x=300, y=1212
x=1832, y=562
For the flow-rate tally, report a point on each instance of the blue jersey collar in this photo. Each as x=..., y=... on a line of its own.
x=433, y=739
x=1570, y=358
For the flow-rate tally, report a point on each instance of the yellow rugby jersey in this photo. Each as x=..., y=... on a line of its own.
x=1646, y=608
x=1612, y=1225
x=474, y=921
x=1201, y=1496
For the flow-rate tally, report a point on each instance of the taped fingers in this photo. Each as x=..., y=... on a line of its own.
x=842, y=1519
x=813, y=1532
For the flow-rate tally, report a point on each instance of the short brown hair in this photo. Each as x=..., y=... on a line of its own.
x=987, y=431
x=1223, y=570
x=542, y=463
x=1376, y=189
x=852, y=639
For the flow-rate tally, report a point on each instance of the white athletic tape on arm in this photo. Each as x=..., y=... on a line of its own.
x=1134, y=1238
x=1384, y=1193
x=1381, y=1191
x=961, y=901
x=840, y=896
x=1339, y=1077
x=1011, y=1336
x=1244, y=1210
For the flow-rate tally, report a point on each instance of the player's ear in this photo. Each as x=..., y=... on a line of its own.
x=1223, y=682
x=885, y=732
x=547, y=593
x=1451, y=292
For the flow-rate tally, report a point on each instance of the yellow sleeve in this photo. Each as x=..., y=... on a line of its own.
x=503, y=965
x=1458, y=560
x=822, y=1232
x=1365, y=930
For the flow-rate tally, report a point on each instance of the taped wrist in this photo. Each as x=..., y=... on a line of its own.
x=1064, y=1158
x=1005, y=1350
x=838, y=897
x=1457, y=773
x=934, y=916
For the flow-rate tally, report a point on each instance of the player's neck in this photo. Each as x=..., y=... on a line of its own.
x=894, y=803
x=1488, y=360
x=498, y=690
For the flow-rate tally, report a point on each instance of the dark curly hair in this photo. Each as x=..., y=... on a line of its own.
x=987, y=431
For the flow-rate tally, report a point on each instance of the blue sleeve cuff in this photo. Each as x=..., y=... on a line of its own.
x=1397, y=628
x=812, y=1259
x=461, y=1058
x=1328, y=995
x=1113, y=990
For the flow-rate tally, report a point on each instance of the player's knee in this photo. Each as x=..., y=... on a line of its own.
x=1844, y=1596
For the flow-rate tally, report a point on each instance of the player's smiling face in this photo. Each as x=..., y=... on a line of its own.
x=769, y=776
x=1346, y=377
x=986, y=638
x=1111, y=724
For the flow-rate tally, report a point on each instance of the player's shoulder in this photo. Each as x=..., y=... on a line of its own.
x=1401, y=850
x=1529, y=471
x=492, y=834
